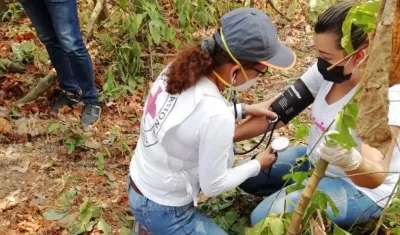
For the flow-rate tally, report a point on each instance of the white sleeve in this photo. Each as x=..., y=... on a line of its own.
x=216, y=148
x=394, y=105
x=313, y=79
x=238, y=110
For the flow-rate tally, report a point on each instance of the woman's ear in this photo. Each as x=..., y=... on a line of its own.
x=360, y=56
x=234, y=71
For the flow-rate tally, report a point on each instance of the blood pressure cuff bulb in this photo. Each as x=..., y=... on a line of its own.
x=292, y=101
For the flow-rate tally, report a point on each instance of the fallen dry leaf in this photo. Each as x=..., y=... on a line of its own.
x=10, y=201
x=23, y=167
x=5, y=126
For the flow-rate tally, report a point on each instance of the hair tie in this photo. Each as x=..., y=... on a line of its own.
x=208, y=45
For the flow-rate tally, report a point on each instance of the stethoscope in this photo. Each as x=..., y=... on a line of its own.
x=279, y=144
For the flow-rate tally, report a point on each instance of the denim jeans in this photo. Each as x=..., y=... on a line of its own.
x=167, y=220
x=57, y=26
x=354, y=206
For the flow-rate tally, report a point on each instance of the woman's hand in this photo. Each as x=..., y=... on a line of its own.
x=266, y=158
x=260, y=109
x=347, y=160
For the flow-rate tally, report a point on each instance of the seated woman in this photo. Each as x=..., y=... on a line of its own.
x=358, y=198
x=187, y=128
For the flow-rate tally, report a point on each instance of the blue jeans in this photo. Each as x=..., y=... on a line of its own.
x=354, y=206
x=167, y=220
x=57, y=26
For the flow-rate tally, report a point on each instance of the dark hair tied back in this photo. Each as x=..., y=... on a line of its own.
x=208, y=45
x=332, y=19
x=195, y=62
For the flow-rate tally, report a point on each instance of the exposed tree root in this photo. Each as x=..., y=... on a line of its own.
x=43, y=85
x=13, y=67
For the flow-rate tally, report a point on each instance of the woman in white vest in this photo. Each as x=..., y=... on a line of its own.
x=187, y=128
x=358, y=195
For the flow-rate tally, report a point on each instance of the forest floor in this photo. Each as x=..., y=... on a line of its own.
x=50, y=168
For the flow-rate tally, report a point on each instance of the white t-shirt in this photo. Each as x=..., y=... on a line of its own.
x=323, y=114
x=192, y=153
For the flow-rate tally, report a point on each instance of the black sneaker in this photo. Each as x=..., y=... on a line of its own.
x=65, y=98
x=90, y=114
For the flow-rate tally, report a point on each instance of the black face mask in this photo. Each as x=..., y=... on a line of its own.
x=336, y=75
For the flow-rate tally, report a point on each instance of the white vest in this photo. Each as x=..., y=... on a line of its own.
x=150, y=166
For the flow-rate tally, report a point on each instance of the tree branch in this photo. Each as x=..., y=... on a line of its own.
x=272, y=4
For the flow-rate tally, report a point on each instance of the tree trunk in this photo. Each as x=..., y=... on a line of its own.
x=372, y=118
x=306, y=195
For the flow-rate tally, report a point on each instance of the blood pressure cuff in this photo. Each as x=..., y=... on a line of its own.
x=292, y=101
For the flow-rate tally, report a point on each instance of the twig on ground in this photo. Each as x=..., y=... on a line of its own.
x=272, y=4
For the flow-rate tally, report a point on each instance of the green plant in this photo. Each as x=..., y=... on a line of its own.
x=24, y=52
x=65, y=201
x=363, y=16
x=72, y=143
x=13, y=12
x=302, y=129
x=222, y=209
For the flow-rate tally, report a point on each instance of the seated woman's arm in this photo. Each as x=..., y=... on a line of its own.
x=373, y=161
x=370, y=159
x=255, y=125
x=215, y=150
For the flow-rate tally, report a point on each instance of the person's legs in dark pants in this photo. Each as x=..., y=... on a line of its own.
x=262, y=185
x=41, y=20
x=58, y=24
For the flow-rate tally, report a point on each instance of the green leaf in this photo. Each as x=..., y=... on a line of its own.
x=104, y=227
x=287, y=176
x=338, y=231
x=277, y=227
x=70, y=145
x=54, y=214
x=299, y=177
x=231, y=217
x=125, y=231
x=302, y=132
x=89, y=226
x=66, y=199
x=100, y=162
x=77, y=228
x=18, y=55
x=319, y=200
x=85, y=212
x=332, y=204
x=95, y=211
x=260, y=227
x=155, y=28
x=352, y=109
x=363, y=16
x=294, y=187
x=122, y=4
x=52, y=127
x=349, y=121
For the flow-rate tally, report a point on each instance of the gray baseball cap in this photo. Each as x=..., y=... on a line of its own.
x=251, y=36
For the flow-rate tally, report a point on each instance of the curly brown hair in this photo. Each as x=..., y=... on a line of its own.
x=192, y=63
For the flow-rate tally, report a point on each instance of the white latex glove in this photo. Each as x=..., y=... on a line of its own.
x=347, y=160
